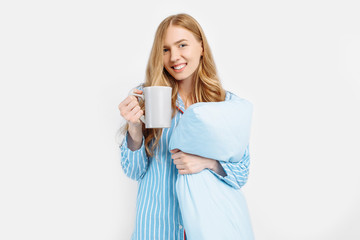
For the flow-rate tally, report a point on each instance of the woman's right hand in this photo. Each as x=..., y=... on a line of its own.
x=130, y=110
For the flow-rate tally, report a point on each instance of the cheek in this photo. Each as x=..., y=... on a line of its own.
x=194, y=56
x=165, y=61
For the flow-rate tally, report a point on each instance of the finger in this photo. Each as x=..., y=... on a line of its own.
x=183, y=172
x=137, y=91
x=126, y=101
x=126, y=111
x=177, y=161
x=174, y=150
x=128, y=104
x=176, y=155
x=180, y=166
x=132, y=105
x=135, y=114
x=138, y=115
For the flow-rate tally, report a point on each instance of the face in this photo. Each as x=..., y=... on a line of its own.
x=181, y=53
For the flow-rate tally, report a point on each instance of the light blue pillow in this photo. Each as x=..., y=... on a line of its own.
x=217, y=130
x=210, y=208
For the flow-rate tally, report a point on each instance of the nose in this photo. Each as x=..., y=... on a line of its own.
x=174, y=55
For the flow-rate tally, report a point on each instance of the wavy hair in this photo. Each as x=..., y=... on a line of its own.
x=206, y=83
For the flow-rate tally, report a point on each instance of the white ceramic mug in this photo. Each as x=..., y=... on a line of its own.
x=157, y=106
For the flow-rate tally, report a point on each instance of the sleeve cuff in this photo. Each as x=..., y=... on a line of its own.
x=134, y=163
x=124, y=145
x=228, y=179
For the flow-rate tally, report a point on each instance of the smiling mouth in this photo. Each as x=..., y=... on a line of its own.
x=179, y=67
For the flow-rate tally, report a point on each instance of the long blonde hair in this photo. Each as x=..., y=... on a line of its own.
x=207, y=86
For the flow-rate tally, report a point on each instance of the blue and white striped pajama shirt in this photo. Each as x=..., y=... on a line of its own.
x=158, y=215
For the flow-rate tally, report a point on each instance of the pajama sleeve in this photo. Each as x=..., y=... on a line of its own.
x=236, y=172
x=134, y=163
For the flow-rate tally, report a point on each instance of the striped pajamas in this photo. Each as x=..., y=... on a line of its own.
x=158, y=215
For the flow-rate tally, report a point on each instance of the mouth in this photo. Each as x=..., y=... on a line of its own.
x=179, y=67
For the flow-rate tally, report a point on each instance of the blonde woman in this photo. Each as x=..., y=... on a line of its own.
x=180, y=58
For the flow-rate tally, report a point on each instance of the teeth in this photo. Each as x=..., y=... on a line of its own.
x=179, y=67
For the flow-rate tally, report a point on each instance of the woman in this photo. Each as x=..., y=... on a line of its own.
x=180, y=58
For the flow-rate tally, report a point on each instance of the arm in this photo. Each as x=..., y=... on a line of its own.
x=234, y=174
x=134, y=160
x=188, y=163
x=237, y=173
x=134, y=163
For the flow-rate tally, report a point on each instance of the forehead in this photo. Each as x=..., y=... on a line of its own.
x=176, y=33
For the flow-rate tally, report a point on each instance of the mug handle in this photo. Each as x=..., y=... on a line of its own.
x=142, y=118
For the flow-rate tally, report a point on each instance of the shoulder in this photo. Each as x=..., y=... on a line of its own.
x=232, y=101
x=139, y=87
x=232, y=96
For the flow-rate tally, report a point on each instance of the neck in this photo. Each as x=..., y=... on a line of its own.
x=185, y=90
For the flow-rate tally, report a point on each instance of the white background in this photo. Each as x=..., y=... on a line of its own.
x=66, y=65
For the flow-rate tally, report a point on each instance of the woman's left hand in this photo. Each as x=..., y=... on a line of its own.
x=188, y=163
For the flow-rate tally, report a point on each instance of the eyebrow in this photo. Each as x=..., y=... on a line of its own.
x=177, y=42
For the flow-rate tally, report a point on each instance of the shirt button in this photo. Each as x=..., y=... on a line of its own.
x=180, y=226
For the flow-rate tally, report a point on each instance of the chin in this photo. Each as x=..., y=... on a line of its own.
x=179, y=79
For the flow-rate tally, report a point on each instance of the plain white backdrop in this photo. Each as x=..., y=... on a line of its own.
x=66, y=65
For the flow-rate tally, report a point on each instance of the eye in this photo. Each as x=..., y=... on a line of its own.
x=165, y=50
x=182, y=45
